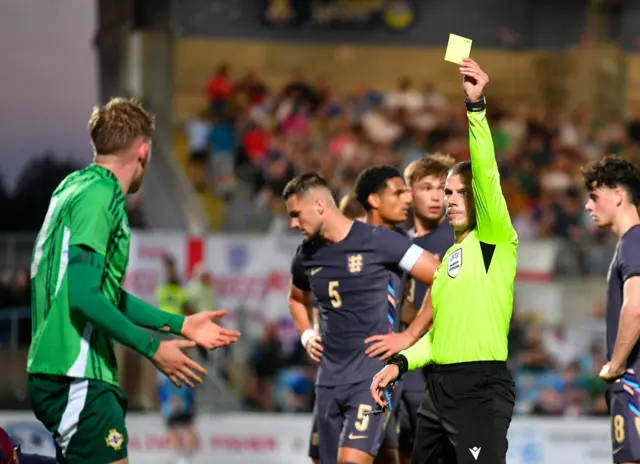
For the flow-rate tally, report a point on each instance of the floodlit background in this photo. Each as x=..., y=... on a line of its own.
x=248, y=93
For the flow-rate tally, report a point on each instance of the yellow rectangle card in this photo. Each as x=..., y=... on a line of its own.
x=458, y=48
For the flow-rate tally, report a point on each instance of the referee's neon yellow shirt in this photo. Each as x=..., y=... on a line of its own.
x=472, y=290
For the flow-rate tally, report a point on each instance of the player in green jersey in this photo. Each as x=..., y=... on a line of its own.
x=468, y=403
x=79, y=307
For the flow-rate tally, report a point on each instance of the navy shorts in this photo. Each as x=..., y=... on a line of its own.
x=340, y=420
x=624, y=408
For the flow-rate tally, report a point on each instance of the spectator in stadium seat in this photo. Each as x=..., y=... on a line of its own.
x=405, y=97
x=266, y=360
x=550, y=403
x=534, y=357
x=219, y=90
x=222, y=138
x=251, y=88
x=201, y=294
x=198, y=130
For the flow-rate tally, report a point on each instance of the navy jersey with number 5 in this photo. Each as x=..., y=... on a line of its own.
x=356, y=283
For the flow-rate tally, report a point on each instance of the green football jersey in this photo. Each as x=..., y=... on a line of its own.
x=472, y=290
x=87, y=209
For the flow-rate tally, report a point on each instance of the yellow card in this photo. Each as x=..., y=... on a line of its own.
x=457, y=49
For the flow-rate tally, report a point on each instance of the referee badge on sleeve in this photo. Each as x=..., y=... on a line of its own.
x=455, y=263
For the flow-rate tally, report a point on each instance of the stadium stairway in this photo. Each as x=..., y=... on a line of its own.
x=213, y=206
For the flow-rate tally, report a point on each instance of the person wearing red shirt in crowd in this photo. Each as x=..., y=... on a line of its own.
x=219, y=89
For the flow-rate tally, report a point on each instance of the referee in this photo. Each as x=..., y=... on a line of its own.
x=468, y=403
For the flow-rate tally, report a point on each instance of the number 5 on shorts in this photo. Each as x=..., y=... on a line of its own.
x=362, y=424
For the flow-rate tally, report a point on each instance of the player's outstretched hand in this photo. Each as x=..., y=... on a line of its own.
x=314, y=348
x=171, y=360
x=202, y=329
x=474, y=79
x=382, y=380
x=385, y=346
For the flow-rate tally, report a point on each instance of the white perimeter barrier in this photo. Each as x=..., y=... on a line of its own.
x=283, y=439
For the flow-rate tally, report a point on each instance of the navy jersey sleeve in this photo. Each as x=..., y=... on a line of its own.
x=630, y=262
x=298, y=277
x=396, y=248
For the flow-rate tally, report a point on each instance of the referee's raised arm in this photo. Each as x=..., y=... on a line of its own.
x=492, y=217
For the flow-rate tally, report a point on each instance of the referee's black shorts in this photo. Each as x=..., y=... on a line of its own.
x=465, y=414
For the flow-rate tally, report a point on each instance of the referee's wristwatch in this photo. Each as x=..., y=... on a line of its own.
x=400, y=361
x=475, y=107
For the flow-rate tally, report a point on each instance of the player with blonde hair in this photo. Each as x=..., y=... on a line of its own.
x=79, y=307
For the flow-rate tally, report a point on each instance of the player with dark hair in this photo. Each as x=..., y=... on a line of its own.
x=383, y=194
x=468, y=404
x=79, y=307
x=614, y=193
x=353, y=270
x=426, y=179
x=386, y=202
x=351, y=208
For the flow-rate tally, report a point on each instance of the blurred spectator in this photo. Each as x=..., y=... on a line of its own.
x=201, y=295
x=198, y=132
x=171, y=297
x=200, y=289
x=222, y=139
x=177, y=406
x=219, y=90
x=266, y=359
x=534, y=356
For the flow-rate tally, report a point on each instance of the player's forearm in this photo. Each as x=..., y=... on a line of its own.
x=145, y=315
x=300, y=315
x=628, y=335
x=84, y=277
x=423, y=319
x=493, y=219
x=419, y=354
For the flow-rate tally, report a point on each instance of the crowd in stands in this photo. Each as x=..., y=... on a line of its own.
x=259, y=136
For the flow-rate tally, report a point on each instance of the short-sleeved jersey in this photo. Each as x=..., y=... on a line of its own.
x=87, y=209
x=472, y=290
x=354, y=282
x=624, y=265
x=437, y=242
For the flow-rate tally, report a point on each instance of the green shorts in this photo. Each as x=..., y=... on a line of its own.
x=86, y=417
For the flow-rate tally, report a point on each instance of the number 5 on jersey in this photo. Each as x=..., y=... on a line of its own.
x=334, y=294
